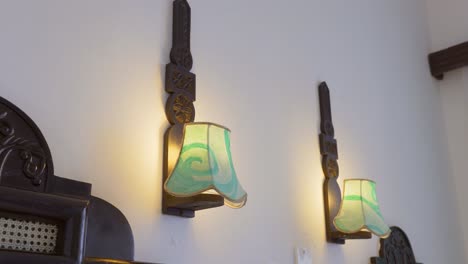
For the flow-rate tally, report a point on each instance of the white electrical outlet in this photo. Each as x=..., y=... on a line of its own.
x=303, y=256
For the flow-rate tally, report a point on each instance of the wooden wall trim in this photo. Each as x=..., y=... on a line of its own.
x=448, y=59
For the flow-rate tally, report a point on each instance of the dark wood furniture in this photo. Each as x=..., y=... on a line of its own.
x=395, y=249
x=46, y=219
x=448, y=59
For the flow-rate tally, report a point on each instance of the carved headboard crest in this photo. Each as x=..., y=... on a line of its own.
x=46, y=219
x=395, y=249
x=25, y=159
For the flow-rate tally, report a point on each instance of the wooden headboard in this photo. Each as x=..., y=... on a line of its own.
x=46, y=219
x=395, y=249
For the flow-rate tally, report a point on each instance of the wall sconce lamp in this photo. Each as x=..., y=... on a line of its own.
x=198, y=168
x=357, y=215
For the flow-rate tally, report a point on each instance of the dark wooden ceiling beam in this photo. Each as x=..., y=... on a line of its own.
x=448, y=59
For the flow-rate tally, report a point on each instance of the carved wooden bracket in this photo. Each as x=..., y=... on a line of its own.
x=180, y=82
x=448, y=59
x=181, y=85
x=331, y=189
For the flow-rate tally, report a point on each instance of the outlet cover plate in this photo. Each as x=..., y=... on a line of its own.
x=303, y=256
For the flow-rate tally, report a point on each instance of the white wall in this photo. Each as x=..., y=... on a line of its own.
x=448, y=22
x=90, y=73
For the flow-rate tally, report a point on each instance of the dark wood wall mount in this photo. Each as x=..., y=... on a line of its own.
x=331, y=189
x=181, y=85
x=180, y=82
x=32, y=197
x=448, y=59
x=395, y=249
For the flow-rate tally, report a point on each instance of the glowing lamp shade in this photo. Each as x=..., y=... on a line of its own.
x=204, y=165
x=360, y=209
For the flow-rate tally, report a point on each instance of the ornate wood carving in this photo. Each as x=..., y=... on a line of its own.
x=331, y=189
x=180, y=53
x=35, y=159
x=25, y=160
x=395, y=249
x=29, y=191
x=180, y=82
x=181, y=85
x=448, y=59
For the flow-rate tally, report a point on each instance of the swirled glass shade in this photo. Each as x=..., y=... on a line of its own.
x=205, y=164
x=360, y=209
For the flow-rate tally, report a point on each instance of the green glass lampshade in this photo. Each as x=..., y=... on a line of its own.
x=360, y=209
x=204, y=164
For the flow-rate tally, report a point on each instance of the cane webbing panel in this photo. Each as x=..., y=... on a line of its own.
x=27, y=236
